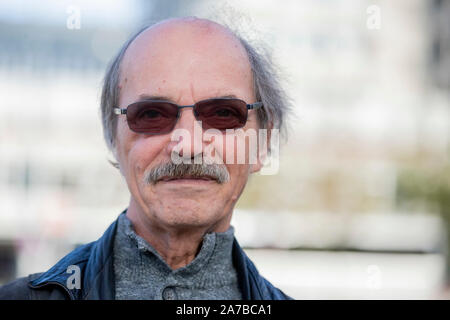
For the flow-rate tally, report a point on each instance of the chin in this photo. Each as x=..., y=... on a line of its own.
x=188, y=218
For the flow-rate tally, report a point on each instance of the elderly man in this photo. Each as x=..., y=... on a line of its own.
x=174, y=241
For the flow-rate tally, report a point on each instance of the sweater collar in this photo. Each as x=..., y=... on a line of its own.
x=216, y=246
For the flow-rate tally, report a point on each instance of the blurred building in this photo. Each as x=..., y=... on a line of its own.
x=370, y=100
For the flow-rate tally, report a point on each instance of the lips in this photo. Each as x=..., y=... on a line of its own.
x=201, y=178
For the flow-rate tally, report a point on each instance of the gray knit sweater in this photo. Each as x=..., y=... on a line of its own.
x=141, y=273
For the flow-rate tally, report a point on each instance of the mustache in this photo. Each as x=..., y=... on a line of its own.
x=181, y=170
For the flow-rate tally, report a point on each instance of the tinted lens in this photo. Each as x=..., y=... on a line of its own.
x=222, y=113
x=152, y=116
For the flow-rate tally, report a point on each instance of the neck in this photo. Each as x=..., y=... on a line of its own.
x=178, y=246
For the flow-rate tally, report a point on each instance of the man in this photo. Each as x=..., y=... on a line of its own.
x=175, y=240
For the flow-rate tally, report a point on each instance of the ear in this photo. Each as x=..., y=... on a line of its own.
x=263, y=148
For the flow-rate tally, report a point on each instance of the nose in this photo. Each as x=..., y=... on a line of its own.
x=186, y=138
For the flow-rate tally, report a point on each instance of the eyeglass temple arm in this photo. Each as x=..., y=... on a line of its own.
x=120, y=111
x=255, y=105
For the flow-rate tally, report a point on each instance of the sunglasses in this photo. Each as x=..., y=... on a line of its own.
x=160, y=116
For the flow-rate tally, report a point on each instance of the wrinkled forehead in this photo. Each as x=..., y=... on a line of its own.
x=185, y=47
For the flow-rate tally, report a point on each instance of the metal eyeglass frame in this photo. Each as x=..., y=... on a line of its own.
x=250, y=106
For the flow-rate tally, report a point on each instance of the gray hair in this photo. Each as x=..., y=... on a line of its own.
x=266, y=83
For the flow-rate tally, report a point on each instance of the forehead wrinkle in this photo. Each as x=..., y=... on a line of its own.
x=144, y=96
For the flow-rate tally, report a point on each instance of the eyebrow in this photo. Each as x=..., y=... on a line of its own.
x=165, y=98
x=151, y=97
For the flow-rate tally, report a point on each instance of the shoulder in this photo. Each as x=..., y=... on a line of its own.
x=90, y=259
x=32, y=287
x=266, y=289
x=253, y=285
x=17, y=289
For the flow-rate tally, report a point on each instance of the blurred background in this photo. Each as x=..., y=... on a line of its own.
x=360, y=207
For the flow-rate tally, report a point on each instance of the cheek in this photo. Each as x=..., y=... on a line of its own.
x=136, y=152
x=240, y=148
x=233, y=152
x=220, y=147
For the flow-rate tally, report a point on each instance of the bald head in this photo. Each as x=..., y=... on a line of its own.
x=186, y=60
x=182, y=34
x=182, y=30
